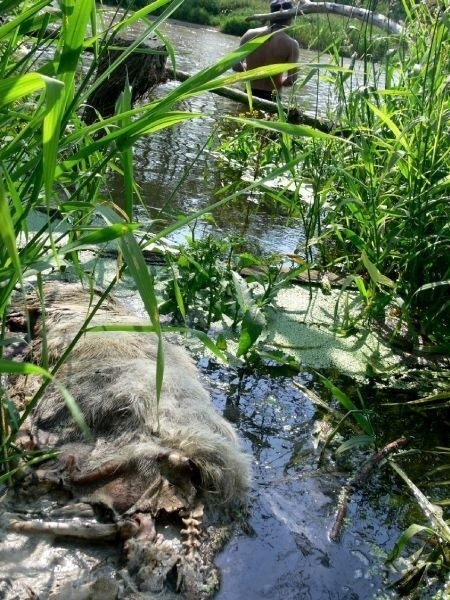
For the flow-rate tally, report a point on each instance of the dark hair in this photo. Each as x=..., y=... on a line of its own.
x=277, y=5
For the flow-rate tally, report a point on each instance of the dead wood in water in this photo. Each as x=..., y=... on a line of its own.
x=144, y=67
x=293, y=115
x=358, y=480
x=306, y=7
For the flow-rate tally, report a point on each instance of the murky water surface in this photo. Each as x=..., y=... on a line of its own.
x=176, y=155
x=288, y=554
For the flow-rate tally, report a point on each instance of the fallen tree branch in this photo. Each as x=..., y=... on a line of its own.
x=293, y=115
x=358, y=480
x=306, y=7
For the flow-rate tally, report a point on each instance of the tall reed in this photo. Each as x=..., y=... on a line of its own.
x=390, y=211
x=54, y=164
x=378, y=210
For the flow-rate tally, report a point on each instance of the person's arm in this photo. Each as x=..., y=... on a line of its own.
x=240, y=67
x=294, y=55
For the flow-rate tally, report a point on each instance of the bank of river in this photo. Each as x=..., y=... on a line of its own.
x=286, y=552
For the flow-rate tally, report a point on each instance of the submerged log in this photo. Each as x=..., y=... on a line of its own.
x=306, y=7
x=145, y=68
x=293, y=115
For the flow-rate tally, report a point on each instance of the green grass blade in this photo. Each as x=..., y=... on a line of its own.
x=54, y=105
x=144, y=282
x=126, y=155
x=13, y=24
x=405, y=539
x=22, y=368
x=128, y=135
x=15, y=88
x=100, y=236
x=74, y=32
x=287, y=128
x=375, y=275
x=7, y=233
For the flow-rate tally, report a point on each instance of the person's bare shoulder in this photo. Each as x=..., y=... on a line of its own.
x=252, y=33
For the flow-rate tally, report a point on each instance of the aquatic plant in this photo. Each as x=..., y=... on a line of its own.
x=208, y=281
x=433, y=556
x=379, y=209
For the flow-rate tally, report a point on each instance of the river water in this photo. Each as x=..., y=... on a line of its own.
x=174, y=175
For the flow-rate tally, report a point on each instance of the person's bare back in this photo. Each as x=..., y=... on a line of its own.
x=279, y=48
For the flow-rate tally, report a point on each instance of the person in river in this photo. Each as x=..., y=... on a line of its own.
x=279, y=48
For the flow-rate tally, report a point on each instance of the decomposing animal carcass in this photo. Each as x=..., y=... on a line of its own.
x=145, y=461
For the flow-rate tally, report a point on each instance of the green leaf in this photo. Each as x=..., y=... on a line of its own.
x=54, y=106
x=74, y=409
x=100, y=236
x=405, y=538
x=13, y=415
x=123, y=104
x=375, y=275
x=243, y=294
x=251, y=328
x=74, y=33
x=390, y=124
x=287, y=128
x=355, y=442
x=15, y=88
x=349, y=405
x=22, y=368
x=11, y=25
x=7, y=233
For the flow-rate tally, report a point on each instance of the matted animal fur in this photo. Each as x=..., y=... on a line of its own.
x=144, y=460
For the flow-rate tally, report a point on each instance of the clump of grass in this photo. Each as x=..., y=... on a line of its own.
x=391, y=201
x=380, y=191
x=53, y=163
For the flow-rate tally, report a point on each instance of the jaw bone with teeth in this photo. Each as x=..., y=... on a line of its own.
x=145, y=462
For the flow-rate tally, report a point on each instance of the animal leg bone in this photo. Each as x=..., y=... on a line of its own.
x=88, y=530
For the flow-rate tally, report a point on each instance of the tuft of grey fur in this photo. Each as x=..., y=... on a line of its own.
x=111, y=375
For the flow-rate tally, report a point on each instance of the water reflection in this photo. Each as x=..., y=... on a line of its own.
x=175, y=175
x=288, y=554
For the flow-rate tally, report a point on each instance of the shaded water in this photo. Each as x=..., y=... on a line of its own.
x=288, y=554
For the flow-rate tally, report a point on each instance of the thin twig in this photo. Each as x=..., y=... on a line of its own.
x=358, y=480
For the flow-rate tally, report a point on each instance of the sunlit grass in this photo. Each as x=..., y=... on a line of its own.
x=54, y=163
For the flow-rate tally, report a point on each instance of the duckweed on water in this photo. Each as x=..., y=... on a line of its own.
x=302, y=325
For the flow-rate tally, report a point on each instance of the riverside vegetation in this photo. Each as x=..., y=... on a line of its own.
x=315, y=32
x=378, y=213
